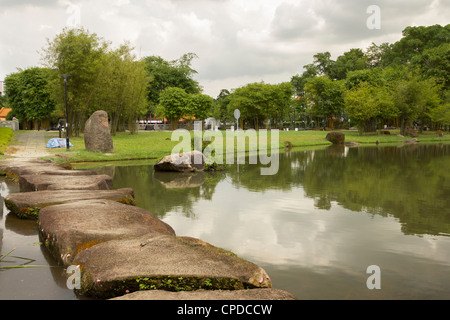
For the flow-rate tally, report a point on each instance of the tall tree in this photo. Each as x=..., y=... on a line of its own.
x=28, y=94
x=375, y=54
x=441, y=114
x=323, y=64
x=298, y=82
x=360, y=105
x=123, y=84
x=326, y=96
x=435, y=62
x=198, y=106
x=172, y=102
x=164, y=74
x=352, y=60
x=415, y=41
x=259, y=102
x=415, y=98
x=80, y=54
x=220, y=106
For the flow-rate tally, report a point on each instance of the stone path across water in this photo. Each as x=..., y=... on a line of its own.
x=120, y=248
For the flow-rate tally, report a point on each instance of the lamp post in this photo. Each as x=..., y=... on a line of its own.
x=39, y=121
x=67, y=115
x=237, y=115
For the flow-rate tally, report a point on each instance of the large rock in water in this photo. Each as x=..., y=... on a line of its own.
x=336, y=137
x=182, y=162
x=97, y=136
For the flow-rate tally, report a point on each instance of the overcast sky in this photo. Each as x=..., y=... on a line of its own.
x=237, y=42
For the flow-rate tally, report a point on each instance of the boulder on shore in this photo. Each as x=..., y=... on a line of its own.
x=97, y=135
x=68, y=229
x=336, y=137
x=182, y=162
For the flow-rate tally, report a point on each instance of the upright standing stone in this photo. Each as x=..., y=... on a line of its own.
x=336, y=137
x=97, y=136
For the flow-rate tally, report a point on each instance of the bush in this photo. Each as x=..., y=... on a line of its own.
x=5, y=137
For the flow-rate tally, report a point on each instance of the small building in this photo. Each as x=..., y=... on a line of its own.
x=4, y=112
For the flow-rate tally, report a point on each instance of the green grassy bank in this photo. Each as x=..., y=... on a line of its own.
x=5, y=138
x=154, y=145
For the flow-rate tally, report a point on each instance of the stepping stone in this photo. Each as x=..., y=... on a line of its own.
x=26, y=205
x=156, y=261
x=17, y=167
x=50, y=170
x=40, y=182
x=67, y=229
x=253, y=294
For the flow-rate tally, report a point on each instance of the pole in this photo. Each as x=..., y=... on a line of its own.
x=39, y=121
x=237, y=115
x=67, y=115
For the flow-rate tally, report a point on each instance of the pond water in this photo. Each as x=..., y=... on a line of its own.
x=315, y=226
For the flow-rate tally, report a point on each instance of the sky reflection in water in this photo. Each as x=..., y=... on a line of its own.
x=323, y=219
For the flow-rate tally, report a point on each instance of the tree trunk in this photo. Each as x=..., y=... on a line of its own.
x=403, y=126
x=173, y=123
x=361, y=127
x=132, y=126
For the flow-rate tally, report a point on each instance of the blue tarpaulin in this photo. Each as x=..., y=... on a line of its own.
x=58, y=143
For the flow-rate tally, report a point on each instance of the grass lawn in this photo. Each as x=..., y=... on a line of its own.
x=154, y=145
x=145, y=145
x=5, y=138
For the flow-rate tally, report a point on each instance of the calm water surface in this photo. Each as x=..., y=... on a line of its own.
x=315, y=227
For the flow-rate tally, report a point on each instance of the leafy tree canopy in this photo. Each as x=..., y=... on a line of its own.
x=28, y=94
x=164, y=74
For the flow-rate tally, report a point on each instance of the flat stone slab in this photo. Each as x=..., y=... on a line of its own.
x=156, y=261
x=14, y=168
x=26, y=205
x=40, y=182
x=67, y=229
x=252, y=294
